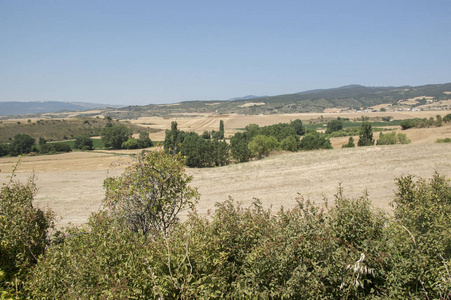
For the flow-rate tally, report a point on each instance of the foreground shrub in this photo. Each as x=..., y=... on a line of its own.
x=347, y=250
x=23, y=233
x=151, y=192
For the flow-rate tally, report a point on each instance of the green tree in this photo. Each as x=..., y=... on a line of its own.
x=261, y=145
x=439, y=121
x=83, y=142
x=334, y=125
x=238, y=147
x=21, y=144
x=408, y=123
x=113, y=136
x=221, y=129
x=173, y=139
x=151, y=193
x=290, y=143
x=350, y=144
x=144, y=140
x=366, y=135
x=4, y=149
x=131, y=143
x=298, y=127
x=314, y=140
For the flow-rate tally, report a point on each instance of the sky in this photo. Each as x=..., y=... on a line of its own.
x=155, y=52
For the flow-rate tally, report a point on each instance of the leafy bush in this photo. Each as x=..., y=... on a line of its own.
x=21, y=144
x=84, y=142
x=23, y=233
x=131, y=143
x=54, y=148
x=334, y=125
x=445, y=140
x=114, y=135
x=392, y=138
x=315, y=140
x=151, y=192
x=347, y=250
x=261, y=145
x=350, y=143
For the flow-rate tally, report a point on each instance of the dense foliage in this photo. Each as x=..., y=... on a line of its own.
x=150, y=193
x=208, y=150
x=54, y=148
x=422, y=123
x=366, y=135
x=344, y=250
x=23, y=233
x=83, y=142
x=392, y=138
x=114, y=135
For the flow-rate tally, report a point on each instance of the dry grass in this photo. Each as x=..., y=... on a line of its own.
x=72, y=184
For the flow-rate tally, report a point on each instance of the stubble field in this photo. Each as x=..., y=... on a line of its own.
x=72, y=184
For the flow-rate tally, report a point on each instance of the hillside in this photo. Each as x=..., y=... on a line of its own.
x=347, y=98
x=40, y=107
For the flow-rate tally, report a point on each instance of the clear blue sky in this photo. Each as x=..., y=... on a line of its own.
x=143, y=52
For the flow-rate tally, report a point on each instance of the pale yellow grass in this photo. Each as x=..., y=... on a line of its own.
x=71, y=184
x=235, y=122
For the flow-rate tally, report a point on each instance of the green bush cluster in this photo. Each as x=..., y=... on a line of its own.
x=423, y=123
x=444, y=140
x=54, y=148
x=24, y=234
x=207, y=150
x=392, y=138
x=258, y=141
x=347, y=250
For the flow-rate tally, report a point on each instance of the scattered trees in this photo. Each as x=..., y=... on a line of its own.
x=207, y=150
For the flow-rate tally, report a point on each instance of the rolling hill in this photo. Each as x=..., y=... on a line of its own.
x=39, y=107
x=350, y=97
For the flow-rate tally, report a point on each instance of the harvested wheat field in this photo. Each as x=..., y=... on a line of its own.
x=233, y=122
x=71, y=184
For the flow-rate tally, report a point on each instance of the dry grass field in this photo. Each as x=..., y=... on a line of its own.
x=71, y=184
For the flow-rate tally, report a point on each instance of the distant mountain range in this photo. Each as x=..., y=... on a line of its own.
x=246, y=97
x=348, y=97
x=41, y=107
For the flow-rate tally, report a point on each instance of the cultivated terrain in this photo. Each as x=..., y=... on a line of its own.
x=72, y=184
